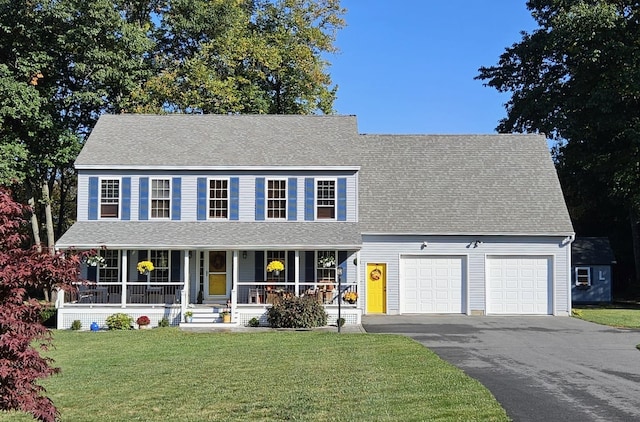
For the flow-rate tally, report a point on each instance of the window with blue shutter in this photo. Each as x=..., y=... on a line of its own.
x=143, y=200
x=234, y=198
x=126, y=198
x=176, y=192
x=309, y=187
x=342, y=199
x=93, y=198
x=202, y=198
x=292, y=205
x=259, y=198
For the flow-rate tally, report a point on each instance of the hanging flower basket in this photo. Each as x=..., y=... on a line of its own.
x=275, y=267
x=327, y=261
x=96, y=261
x=145, y=267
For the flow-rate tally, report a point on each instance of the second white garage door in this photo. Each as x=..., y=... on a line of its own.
x=519, y=285
x=432, y=284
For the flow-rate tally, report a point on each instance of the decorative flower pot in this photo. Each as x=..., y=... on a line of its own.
x=226, y=318
x=276, y=272
x=145, y=327
x=188, y=319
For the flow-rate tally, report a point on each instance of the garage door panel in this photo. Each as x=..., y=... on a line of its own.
x=435, y=283
x=519, y=285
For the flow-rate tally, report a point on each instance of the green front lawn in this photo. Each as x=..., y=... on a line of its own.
x=167, y=374
x=614, y=317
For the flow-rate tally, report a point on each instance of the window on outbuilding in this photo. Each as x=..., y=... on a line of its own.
x=583, y=276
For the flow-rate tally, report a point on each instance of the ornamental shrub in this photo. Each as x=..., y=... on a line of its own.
x=119, y=321
x=297, y=312
x=76, y=325
x=254, y=322
x=164, y=322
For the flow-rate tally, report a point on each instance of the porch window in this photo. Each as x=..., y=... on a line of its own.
x=277, y=199
x=109, y=198
x=583, y=276
x=162, y=266
x=111, y=270
x=326, y=199
x=326, y=266
x=276, y=256
x=160, y=198
x=218, y=198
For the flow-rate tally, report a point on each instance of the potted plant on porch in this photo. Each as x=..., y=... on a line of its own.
x=226, y=316
x=188, y=316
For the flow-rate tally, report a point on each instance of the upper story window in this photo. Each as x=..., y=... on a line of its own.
x=277, y=199
x=326, y=199
x=109, y=198
x=110, y=272
x=218, y=198
x=161, y=264
x=583, y=276
x=160, y=198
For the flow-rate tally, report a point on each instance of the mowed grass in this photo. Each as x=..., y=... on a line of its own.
x=614, y=317
x=170, y=375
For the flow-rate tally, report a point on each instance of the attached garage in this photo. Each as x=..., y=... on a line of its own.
x=433, y=284
x=519, y=285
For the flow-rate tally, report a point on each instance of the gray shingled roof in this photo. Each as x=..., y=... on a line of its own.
x=460, y=184
x=220, y=140
x=422, y=184
x=592, y=251
x=223, y=235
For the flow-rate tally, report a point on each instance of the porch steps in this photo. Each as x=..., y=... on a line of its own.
x=206, y=316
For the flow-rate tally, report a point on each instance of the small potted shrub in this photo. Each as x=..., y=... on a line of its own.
x=188, y=316
x=226, y=316
x=144, y=323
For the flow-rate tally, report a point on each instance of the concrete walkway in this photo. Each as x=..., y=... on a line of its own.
x=539, y=368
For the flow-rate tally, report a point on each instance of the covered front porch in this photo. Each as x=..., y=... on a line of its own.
x=208, y=280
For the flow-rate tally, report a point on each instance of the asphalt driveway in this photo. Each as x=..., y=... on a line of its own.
x=539, y=368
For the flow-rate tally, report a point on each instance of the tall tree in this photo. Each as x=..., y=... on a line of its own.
x=243, y=56
x=577, y=79
x=63, y=63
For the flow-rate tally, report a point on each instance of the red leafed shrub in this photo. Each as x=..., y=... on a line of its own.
x=143, y=320
x=22, y=270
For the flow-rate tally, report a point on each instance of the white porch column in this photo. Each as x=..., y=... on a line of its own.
x=185, y=288
x=359, y=279
x=123, y=278
x=297, y=272
x=234, y=285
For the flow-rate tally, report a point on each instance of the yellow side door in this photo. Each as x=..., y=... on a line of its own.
x=376, y=288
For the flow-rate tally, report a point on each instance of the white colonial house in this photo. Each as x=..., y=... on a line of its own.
x=458, y=224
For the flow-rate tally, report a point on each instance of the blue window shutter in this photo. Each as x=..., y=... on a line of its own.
x=292, y=203
x=176, y=268
x=259, y=198
x=176, y=193
x=234, y=197
x=92, y=274
x=309, y=188
x=202, y=198
x=291, y=266
x=309, y=266
x=342, y=199
x=126, y=198
x=93, y=198
x=342, y=262
x=259, y=265
x=143, y=201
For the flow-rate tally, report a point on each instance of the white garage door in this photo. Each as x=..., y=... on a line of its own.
x=519, y=285
x=432, y=284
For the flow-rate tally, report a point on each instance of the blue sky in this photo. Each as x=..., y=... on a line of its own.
x=407, y=66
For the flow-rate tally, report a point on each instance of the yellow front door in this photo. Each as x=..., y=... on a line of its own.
x=376, y=288
x=217, y=273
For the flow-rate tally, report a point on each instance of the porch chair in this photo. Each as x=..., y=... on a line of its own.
x=255, y=296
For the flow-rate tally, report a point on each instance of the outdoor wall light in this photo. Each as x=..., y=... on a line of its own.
x=424, y=245
x=476, y=243
x=244, y=254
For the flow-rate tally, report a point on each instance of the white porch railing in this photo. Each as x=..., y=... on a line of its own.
x=136, y=293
